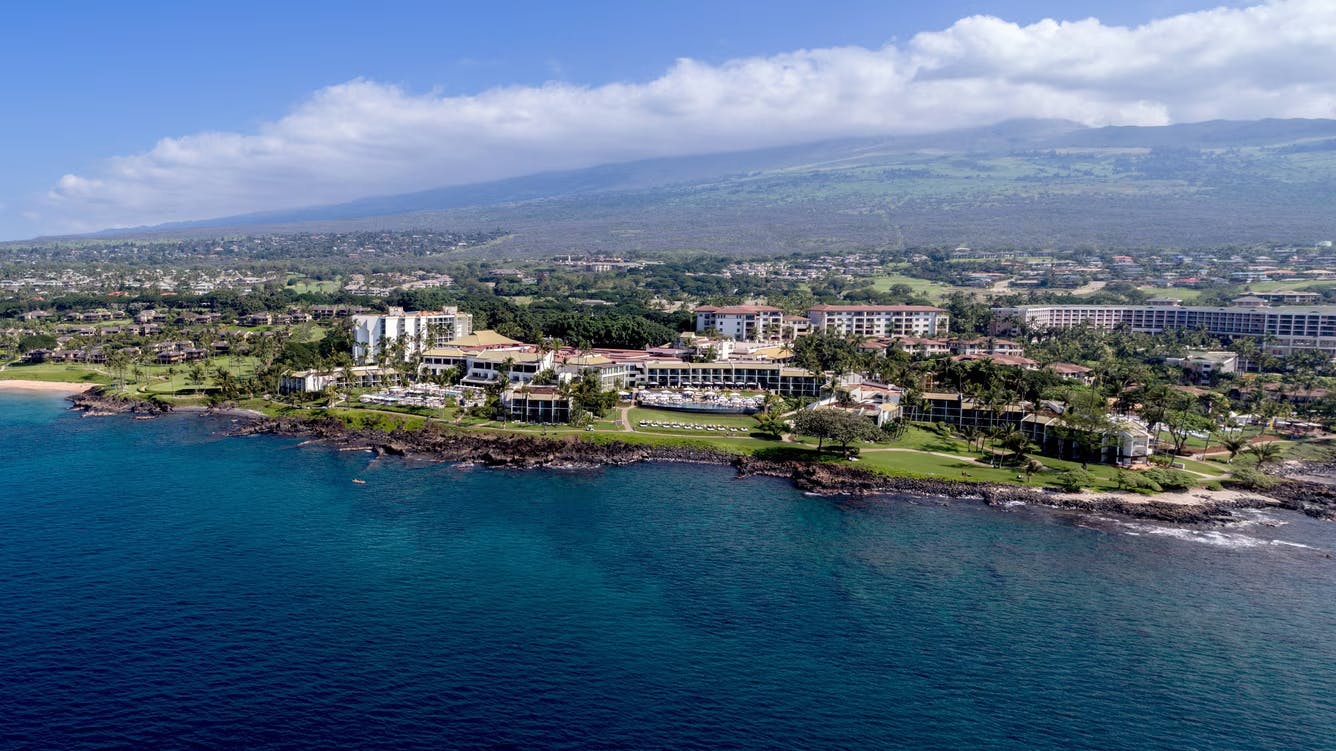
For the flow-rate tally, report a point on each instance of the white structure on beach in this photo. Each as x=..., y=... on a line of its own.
x=420, y=331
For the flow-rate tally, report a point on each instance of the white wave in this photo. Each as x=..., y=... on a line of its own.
x=1213, y=537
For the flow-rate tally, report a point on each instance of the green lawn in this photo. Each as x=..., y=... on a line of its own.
x=304, y=286
x=636, y=414
x=1182, y=293
x=55, y=372
x=175, y=379
x=930, y=289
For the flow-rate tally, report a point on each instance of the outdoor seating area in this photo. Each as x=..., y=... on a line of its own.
x=703, y=400
x=417, y=395
x=693, y=426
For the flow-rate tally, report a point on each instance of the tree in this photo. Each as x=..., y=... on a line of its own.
x=1234, y=444
x=1265, y=453
x=195, y=376
x=835, y=425
x=1072, y=480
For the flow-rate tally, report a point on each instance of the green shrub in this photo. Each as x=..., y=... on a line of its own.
x=1251, y=479
x=1214, y=485
x=1072, y=480
x=1170, y=479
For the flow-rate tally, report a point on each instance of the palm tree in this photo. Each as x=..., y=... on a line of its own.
x=1234, y=444
x=1265, y=453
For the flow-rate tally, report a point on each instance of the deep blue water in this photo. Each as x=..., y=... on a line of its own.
x=163, y=587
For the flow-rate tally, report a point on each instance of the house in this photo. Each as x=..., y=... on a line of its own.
x=1072, y=372
x=1205, y=366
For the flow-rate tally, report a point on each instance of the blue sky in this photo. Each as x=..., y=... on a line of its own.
x=86, y=82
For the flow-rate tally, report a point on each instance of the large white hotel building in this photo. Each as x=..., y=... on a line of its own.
x=879, y=320
x=422, y=330
x=761, y=322
x=1280, y=330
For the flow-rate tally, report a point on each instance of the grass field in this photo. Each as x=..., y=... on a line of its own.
x=931, y=290
x=55, y=372
x=636, y=414
x=314, y=286
x=1182, y=293
x=1297, y=284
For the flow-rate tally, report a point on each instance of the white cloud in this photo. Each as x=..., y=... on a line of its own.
x=365, y=138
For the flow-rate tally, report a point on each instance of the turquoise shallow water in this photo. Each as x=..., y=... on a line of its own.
x=164, y=587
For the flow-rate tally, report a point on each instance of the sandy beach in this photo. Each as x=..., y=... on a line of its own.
x=54, y=387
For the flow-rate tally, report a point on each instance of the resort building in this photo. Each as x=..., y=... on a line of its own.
x=770, y=376
x=612, y=374
x=1206, y=366
x=419, y=331
x=310, y=381
x=1125, y=443
x=746, y=323
x=986, y=346
x=879, y=320
x=540, y=404
x=487, y=366
x=1281, y=330
x=1289, y=297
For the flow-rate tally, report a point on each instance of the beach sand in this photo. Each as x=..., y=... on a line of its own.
x=1194, y=497
x=55, y=387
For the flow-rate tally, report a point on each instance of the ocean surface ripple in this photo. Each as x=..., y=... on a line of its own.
x=164, y=587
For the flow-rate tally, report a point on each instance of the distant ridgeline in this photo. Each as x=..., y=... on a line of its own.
x=1022, y=183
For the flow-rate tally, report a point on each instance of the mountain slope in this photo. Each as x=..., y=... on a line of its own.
x=1018, y=183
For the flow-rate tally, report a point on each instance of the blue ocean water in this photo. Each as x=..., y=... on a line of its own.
x=165, y=587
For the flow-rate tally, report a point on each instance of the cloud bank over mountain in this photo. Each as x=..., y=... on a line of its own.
x=365, y=138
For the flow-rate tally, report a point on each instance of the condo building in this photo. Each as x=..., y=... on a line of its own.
x=745, y=323
x=879, y=320
x=1280, y=330
x=420, y=330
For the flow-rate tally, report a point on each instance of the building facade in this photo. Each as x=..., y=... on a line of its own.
x=879, y=320
x=420, y=331
x=1281, y=330
x=744, y=323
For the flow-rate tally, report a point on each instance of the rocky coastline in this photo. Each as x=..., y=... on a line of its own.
x=98, y=401
x=516, y=451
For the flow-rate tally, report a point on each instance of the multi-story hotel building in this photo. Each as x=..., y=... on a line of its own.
x=421, y=331
x=744, y=323
x=879, y=320
x=1280, y=330
x=771, y=376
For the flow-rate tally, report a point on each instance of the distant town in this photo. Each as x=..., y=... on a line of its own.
x=1137, y=370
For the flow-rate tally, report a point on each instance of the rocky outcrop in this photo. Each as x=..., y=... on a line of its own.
x=100, y=401
x=1314, y=499
x=492, y=449
x=843, y=479
x=520, y=451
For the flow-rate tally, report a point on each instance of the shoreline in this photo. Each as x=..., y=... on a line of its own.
x=46, y=387
x=516, y=451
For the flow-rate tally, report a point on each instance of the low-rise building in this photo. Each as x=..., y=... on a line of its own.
x=538, y=404
x=1205, y=366
x=311, y=381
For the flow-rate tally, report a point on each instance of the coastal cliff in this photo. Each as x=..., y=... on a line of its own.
x=517, y=451
x=100, y=401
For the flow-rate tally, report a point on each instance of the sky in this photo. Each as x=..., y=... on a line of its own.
x=133, y=113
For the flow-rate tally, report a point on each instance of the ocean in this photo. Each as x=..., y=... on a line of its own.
x=163, y=586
